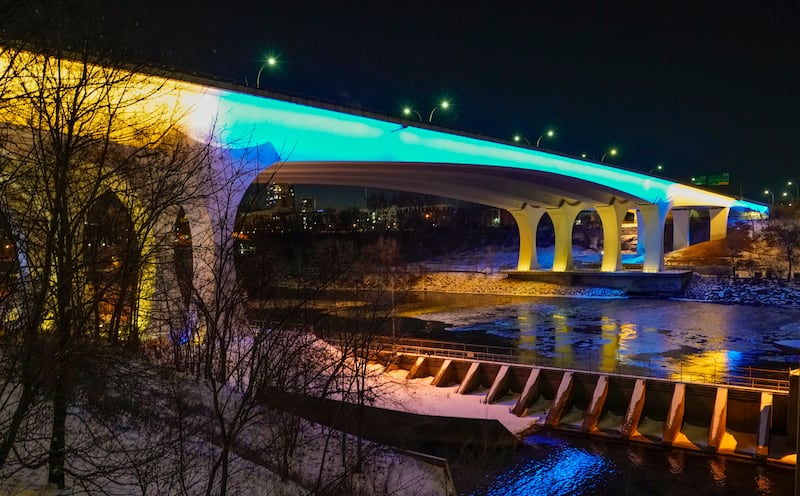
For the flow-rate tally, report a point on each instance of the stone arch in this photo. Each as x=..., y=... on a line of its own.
x=111, y=259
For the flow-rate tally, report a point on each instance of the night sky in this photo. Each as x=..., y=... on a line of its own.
x=701, y=87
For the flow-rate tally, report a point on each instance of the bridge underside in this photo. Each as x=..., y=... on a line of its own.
x=527, y=195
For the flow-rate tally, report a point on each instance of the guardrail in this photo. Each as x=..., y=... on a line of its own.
x=746, y=377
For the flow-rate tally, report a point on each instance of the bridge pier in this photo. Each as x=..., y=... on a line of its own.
x=654, y=217
x=680, y=227
x=563, y=219
x=719, y=222
x=527, y=219
x=612, y=216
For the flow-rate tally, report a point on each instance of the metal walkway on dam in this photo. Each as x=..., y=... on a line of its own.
x=752, y=416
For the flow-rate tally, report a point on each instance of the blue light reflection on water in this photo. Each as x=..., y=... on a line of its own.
x=555, y=464
x=564, y=470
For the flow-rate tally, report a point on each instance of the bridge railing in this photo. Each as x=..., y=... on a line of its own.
x=710, y=373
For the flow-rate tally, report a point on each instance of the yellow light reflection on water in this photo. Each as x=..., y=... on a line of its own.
x=705, y=366
x=610, y=345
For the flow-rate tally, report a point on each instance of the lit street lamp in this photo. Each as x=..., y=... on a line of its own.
x=408, y=111
x=796, y=188
x=771, y=194
x=518, y=138
x=612, y=152
x=270, y=62
x=658, y=167
x=549, y=133
x=444, y=105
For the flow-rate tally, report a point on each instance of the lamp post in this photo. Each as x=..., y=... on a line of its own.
x=518, y=138
x=549, y=133
x=785, y=194
x=270, y=62
x=612, y=152
x=771, y=194
x=444, y=104
x=658, y=167
x=407, y=111
x=796, y=188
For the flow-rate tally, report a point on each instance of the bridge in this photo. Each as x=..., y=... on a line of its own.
x=307, y=143
x=304, y=142
x=261, y=136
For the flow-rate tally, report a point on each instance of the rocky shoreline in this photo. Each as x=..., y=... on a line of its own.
x=712, y=289
x=742, y=291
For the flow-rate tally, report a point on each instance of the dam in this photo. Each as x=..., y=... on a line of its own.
x=749, y=417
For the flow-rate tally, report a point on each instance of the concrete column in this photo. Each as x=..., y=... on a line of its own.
x=563, y=219
x=612, y=217
x=674, y=421
x=560, y=401
x=654, y=216
x=527, y=219
x=416, y=368
x=595, y=408
x=764, y=426
x=443, y=374
x=719, y=419
x=640, y=233
x=634, y=412
x=468, y=384
x=498, y=388
x=529, y=392
x=680, y=227
x=719, y=222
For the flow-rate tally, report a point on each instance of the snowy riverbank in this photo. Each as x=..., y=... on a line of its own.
x=712, y=289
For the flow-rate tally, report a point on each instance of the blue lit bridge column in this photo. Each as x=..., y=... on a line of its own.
x=654, y=217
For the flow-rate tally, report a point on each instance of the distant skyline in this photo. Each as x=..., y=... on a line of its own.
x=701, y=88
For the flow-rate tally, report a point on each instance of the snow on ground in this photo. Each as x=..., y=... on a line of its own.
x=499, y=284
x=418, y=396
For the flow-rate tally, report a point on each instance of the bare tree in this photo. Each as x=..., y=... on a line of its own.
x=784, y=235
x=72, y=135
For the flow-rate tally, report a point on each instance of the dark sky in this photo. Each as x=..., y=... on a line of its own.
x=702, y=87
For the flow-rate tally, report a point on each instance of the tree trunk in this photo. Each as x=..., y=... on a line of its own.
x=57, y=455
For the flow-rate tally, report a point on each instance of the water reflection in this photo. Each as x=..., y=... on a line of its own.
x=682, y=340
x=660, y=338
x=558, y=464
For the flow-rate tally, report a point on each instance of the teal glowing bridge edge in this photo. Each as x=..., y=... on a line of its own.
x=299, y=132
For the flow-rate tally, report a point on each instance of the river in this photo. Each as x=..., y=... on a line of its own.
x=655, y=337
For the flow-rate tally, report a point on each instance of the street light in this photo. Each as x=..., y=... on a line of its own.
x=796, y=187
x=771, y=194
x=270, y=62
x=658, y=167
x=549, y=133
x=518, y=138
x=612, y=152
x=444, y=104
x=407, y=111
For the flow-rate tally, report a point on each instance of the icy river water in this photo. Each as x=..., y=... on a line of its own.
x=655, y=337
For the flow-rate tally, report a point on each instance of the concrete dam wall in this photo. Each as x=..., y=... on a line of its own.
x=732, y=420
